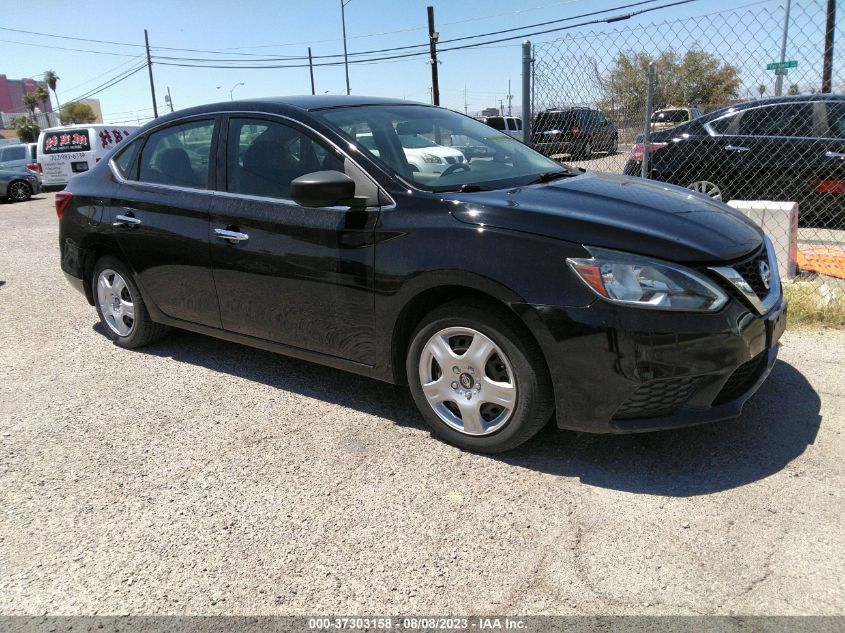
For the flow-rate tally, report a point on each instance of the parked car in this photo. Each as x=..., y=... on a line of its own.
x=426, y=156
x=510, y=125
x=18, y=185
x=502, y=291
x=672, y=116
x=788, y=148
x=18, y=156
x=575, y=131
x=74, y=149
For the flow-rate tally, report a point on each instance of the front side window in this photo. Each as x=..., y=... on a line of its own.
x=263, y=157
x=438, y=149
x=179, y=155
x=125, y=163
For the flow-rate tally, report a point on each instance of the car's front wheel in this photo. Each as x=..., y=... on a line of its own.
x=120, y=306
x=478, y=379
x=709, y=189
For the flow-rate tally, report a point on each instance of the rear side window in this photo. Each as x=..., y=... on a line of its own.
x=547, y=121
x=789, y=119
x=179, y=155
x=496, y=122
x=518, y=124
x=125, y=161
x=263, y=157
x=12, y=153
x=62, y=141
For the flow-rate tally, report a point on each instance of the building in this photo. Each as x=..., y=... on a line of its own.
x=11, y=101
x=95, y=106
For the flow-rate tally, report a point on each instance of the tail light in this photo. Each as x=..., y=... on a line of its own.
x=36, y=167
x=829, y=186
x=637, y=150
x=576, y=131
x=63, y=199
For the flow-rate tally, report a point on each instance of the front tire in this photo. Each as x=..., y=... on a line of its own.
x=478, y=379
x=120, y=306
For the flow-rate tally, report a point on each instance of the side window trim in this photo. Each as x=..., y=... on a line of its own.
x=733, y=131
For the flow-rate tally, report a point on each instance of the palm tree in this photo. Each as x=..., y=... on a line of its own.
x=51, y=79
x=42, y=96
x=761, y=89
x=30, y=102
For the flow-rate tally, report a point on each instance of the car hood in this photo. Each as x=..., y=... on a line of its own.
x=440, y=151
x=618, y=212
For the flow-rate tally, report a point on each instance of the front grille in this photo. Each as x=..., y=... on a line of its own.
x=750, y=271
x=657, y=398
x=742, y=379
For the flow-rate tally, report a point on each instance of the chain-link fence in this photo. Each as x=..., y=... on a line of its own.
x=716, y=126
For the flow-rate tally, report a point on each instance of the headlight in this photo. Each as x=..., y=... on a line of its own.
x=431, y=158
x=646, y=283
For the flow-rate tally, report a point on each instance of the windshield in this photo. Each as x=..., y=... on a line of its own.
x=483, y=157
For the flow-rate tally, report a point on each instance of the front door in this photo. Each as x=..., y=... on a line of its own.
x=285, y=273
x=161, y=221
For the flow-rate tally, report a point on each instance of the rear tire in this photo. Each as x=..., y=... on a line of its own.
x=120, y=306
x=499, y=365
x=18, y=191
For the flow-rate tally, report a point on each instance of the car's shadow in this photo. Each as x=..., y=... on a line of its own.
x=778, y=424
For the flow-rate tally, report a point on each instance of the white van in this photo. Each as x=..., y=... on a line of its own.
x=73, y=149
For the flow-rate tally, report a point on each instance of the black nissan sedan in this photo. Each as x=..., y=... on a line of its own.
x=504, y=289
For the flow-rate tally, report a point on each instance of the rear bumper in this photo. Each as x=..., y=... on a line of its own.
x=623, y=370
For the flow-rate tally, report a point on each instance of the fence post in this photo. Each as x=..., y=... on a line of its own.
x=649, y=105
x=526, y=91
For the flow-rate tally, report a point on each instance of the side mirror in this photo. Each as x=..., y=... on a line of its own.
x=323, y=189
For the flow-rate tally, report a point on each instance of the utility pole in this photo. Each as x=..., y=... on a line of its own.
x=510, y=99
x=466, y=105
x=343, y=4
x=779, y=71
x=527, y=91
x=150, y=69
x=502, y=107
x=169, y=100
x=432, y=43
x=311, y=70
x=827, y=70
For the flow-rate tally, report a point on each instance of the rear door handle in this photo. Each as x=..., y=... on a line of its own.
x=839, y=155
x=125, y=220
x=232, y=236
x=736, y=148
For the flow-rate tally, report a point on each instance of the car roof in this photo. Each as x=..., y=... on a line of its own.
x=317, y=102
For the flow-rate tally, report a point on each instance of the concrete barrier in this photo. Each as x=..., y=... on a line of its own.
x=779, y=220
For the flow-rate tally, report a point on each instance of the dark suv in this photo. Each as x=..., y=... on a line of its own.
x=504, y=290
x=577, y=132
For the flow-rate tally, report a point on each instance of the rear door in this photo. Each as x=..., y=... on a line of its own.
x=162, y=217
x=293, y=275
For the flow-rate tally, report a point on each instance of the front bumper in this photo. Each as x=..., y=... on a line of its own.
x=622, y=370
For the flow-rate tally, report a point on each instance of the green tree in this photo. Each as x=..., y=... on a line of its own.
x=696, y=78
x=77, y=112
x=43, y=97
x=793, y=90
x=761, y=89
x=30, y=102
x=51, y=79
x=26, y=130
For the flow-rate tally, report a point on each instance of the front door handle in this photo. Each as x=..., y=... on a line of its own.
x=736, y=148
x=232, y=236
x=125, y=220
x=839, y=155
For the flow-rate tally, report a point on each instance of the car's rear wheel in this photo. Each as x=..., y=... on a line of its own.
x=586, y=150
x=18, y=191
x=120, y=306
x=614, y=146
x=709, y=189
x=479, y=381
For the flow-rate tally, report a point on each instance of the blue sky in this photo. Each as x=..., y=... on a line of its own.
x=286, y=29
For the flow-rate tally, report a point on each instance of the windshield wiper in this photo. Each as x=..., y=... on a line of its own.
x=552, y=175
x=467, y=188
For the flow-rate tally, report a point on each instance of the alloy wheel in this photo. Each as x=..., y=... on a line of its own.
x=708, y=188
x=115, y=300
x=19, y=191
x=468, y=381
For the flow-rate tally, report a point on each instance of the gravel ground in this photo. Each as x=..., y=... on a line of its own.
x=199, y=476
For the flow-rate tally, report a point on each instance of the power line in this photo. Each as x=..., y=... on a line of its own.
x=64, y=48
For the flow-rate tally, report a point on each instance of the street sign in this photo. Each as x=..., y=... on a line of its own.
x=781, y=65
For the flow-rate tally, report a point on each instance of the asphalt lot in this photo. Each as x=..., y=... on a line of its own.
x=202, y=477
